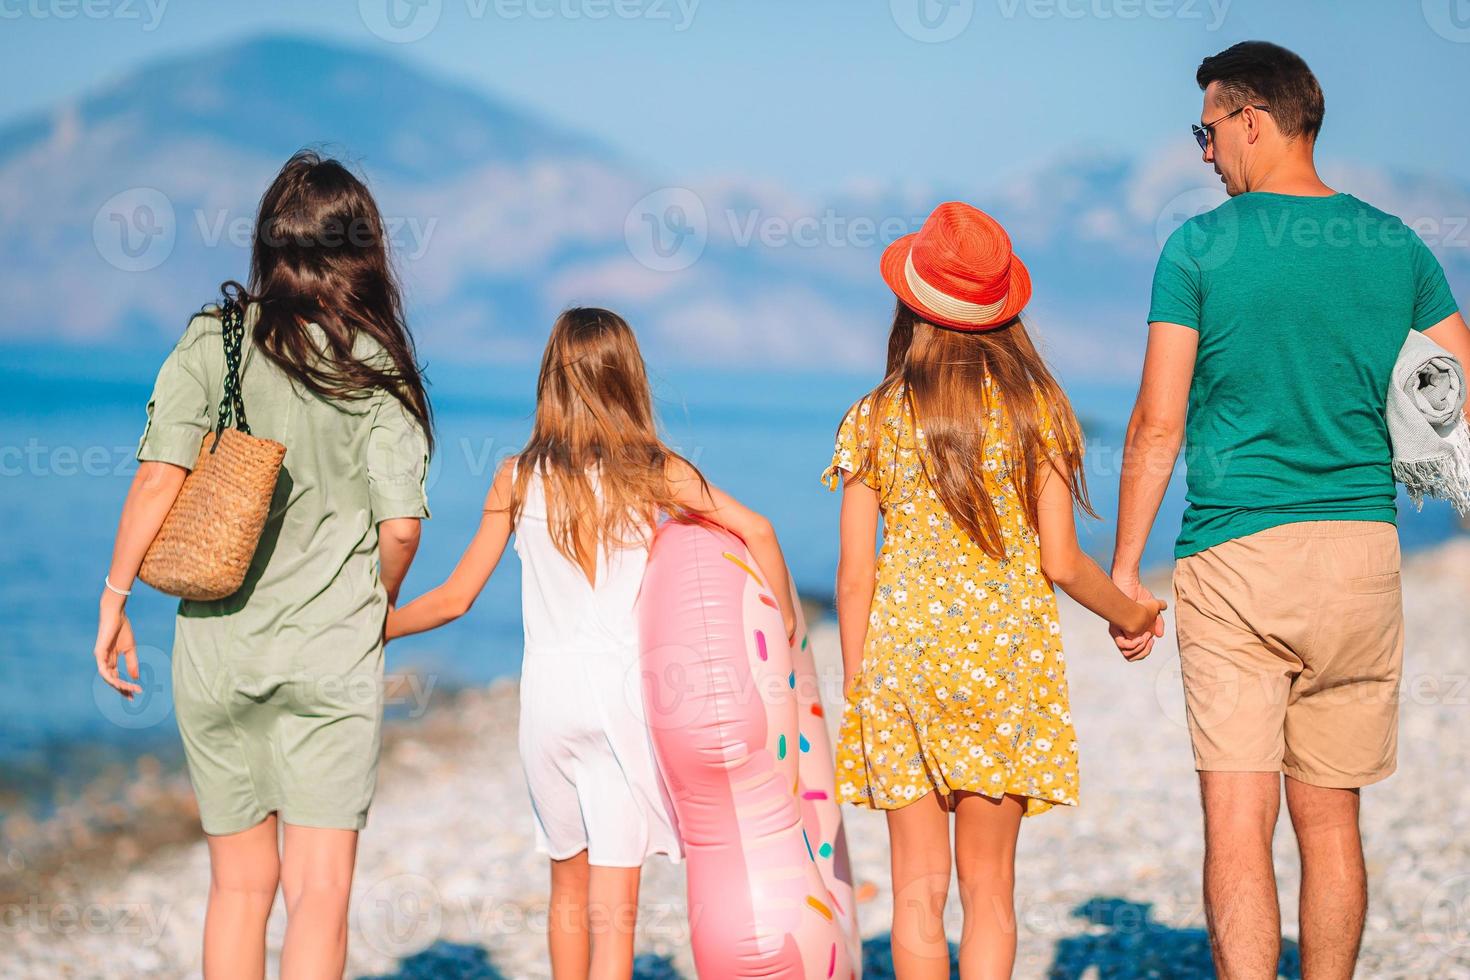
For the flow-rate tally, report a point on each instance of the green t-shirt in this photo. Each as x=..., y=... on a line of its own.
x=1301, y=304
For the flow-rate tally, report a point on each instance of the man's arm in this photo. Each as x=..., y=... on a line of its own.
x=1155, y=432
x=1452, y=334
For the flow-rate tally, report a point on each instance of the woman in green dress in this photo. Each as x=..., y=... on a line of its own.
x=278, y=688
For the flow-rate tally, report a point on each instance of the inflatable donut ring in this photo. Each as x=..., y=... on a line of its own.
x=739, y=735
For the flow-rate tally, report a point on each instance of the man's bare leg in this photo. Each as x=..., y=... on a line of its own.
x=1334, y=896
x=1240, y=880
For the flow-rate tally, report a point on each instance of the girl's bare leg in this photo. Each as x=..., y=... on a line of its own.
x=985, y=833
x=918, y=837
x=566, y=926
x=613, y=918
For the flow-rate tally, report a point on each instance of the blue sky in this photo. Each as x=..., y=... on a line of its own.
x=815, y=93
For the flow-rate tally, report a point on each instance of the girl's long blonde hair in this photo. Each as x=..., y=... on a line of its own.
x=594, y=414
x=941, y=376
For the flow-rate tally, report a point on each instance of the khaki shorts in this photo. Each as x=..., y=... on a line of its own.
x=1291, y=644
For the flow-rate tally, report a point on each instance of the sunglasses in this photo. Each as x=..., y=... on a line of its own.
x=1203, y=134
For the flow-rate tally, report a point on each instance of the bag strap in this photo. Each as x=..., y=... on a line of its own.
x=231, y=405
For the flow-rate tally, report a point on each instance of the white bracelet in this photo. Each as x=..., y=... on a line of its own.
x=112, y=588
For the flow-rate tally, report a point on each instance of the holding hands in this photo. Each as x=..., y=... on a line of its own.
x=1135, y=640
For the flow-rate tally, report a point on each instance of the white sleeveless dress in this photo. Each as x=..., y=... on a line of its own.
x=584, y=742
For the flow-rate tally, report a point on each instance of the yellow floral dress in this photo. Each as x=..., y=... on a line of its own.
x=963, y=683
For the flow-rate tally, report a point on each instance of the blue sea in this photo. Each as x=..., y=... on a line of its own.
x=69, y=423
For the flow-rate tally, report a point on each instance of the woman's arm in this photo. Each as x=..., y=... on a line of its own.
x=398, y=542
x=1065, y=563
x=454, y=598
x=857, y=573
x=154, y=488
x=713, y=504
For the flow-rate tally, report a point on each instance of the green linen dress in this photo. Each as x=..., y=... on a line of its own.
x=278, y=688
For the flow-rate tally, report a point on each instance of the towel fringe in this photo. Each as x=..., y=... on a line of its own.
x=1445, y=476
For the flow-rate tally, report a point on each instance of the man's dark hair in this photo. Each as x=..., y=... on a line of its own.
x=1258, y=72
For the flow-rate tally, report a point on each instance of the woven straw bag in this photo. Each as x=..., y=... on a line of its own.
x=205, y=545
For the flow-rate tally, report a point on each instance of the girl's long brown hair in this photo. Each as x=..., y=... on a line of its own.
x=594, y=412
x=320, y=256
x=941, y=376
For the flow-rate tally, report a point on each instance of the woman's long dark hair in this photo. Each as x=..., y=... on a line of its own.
x=320, y=256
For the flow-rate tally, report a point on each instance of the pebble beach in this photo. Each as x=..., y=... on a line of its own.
x=449, y=885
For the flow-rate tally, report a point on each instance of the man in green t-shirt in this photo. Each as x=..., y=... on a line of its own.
x=1275, y=322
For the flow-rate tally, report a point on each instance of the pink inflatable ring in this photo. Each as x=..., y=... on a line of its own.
x=741, y=742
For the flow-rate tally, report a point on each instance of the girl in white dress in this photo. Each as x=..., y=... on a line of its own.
x=583, y=498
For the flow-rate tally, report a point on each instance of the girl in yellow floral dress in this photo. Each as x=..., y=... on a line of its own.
x=954, y=675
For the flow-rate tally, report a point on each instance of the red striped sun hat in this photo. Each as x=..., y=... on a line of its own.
x=958, y=270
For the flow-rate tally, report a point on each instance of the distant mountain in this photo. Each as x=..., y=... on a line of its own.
x=122, y=212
